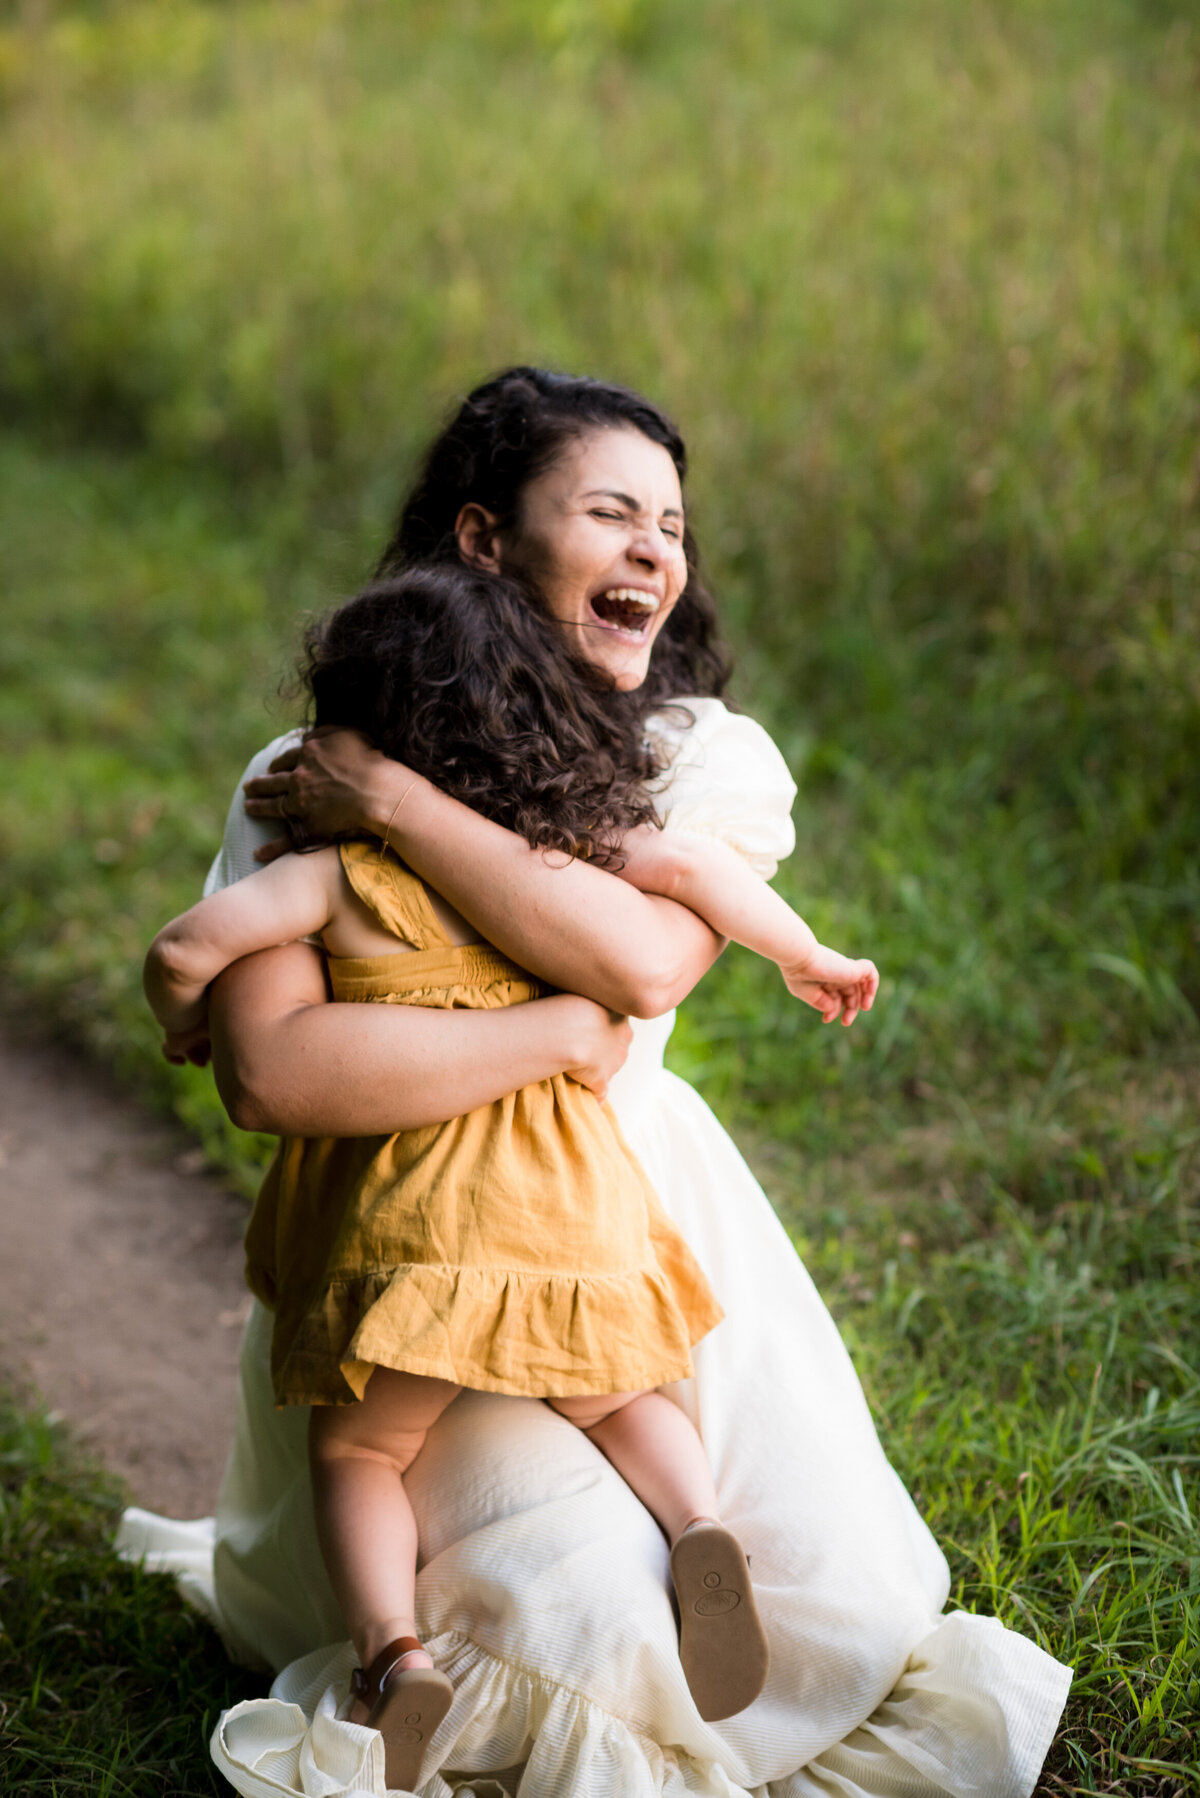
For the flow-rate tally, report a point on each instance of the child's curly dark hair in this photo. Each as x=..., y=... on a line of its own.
x=456, y=673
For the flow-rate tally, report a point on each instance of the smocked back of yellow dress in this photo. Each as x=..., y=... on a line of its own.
x=519, y=1248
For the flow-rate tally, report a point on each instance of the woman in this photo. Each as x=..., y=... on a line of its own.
x=544, y=1585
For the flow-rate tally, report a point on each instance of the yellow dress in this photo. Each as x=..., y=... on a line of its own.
x=518, y=1249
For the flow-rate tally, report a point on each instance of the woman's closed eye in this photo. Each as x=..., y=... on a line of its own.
x=669, y=528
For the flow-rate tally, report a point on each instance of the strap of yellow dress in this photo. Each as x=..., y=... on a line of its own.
x=394, y=893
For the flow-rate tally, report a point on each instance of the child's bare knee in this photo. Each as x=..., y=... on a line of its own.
x=344, y=1436
x=388, y=1426
x=332, y=1451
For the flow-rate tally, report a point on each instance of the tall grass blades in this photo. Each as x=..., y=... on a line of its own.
x=108, y=1683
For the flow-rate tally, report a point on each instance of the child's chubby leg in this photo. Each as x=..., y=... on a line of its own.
x=654, y=1448
x=358, y=1455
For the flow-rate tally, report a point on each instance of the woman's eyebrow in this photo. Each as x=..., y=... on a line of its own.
x=626, y=499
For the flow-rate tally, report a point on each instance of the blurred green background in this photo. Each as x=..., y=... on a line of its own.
x=921, y=280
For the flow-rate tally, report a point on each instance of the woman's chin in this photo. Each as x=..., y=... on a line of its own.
x=626, y=664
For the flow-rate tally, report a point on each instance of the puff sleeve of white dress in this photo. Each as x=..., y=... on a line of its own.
x=543, y=1589
x=726, y=780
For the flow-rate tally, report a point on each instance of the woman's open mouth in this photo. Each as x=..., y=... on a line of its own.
x=625, y=610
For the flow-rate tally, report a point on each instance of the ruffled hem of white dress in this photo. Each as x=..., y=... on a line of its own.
x=973, y=1712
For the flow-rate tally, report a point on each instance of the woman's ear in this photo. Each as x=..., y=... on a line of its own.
x=478, y=534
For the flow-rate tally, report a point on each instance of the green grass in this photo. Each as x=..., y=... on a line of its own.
x=109, y=1685
x=920, y=277
x=1031, y=1359
x=921, y=280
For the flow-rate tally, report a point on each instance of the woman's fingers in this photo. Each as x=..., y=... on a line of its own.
x=271, y=852
x=286, y=760
x=318, y=784
x=267, y=789
x=181, y=1046
x=264, y=792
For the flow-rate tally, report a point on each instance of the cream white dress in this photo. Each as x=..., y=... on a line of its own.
x=543, y=1590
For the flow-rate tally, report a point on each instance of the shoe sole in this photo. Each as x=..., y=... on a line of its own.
x=722, y=1645
x=413, y=1704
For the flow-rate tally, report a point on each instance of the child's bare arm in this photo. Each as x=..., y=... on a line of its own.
x=713, y=880
x=293, y=898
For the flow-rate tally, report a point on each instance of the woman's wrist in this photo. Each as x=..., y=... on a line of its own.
x=383, y=790
x=404, y=807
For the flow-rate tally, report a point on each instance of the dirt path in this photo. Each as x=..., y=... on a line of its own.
x=121, y=1294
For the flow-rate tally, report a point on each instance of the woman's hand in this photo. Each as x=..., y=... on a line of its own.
x=832, y=984
x=332, y=785
x=181, y=1046
x=575, y=926
x=604, y=1041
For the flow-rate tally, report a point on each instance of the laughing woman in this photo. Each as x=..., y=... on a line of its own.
x=543, y=1590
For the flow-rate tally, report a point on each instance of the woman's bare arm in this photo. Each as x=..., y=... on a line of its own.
x=290, y=1063
x=577, y=926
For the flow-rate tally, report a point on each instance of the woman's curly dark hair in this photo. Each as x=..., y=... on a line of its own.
x=453, y=672
x=506, y=433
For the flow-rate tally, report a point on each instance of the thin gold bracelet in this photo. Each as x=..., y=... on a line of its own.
x=395, y=809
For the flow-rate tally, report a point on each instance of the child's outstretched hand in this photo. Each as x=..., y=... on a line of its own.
x=833, y=984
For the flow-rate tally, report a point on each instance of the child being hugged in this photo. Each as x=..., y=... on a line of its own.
x=520, y=1248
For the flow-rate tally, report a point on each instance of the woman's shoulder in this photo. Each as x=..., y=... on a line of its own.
x=703, y=733
x=724, y=777
x=260, y=762
x=243, y=835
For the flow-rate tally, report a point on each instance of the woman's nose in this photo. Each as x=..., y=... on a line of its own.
x=651, y=548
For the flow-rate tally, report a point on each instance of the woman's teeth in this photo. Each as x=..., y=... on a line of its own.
x=626, y=608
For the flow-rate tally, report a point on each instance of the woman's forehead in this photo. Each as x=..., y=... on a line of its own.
x=617, y=461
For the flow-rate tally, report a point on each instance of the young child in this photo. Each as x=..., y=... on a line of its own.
x=520, y=1248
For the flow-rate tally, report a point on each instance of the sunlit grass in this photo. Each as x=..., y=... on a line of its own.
x=1032, y=1364
x=108, y=1684
x=921, y=279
